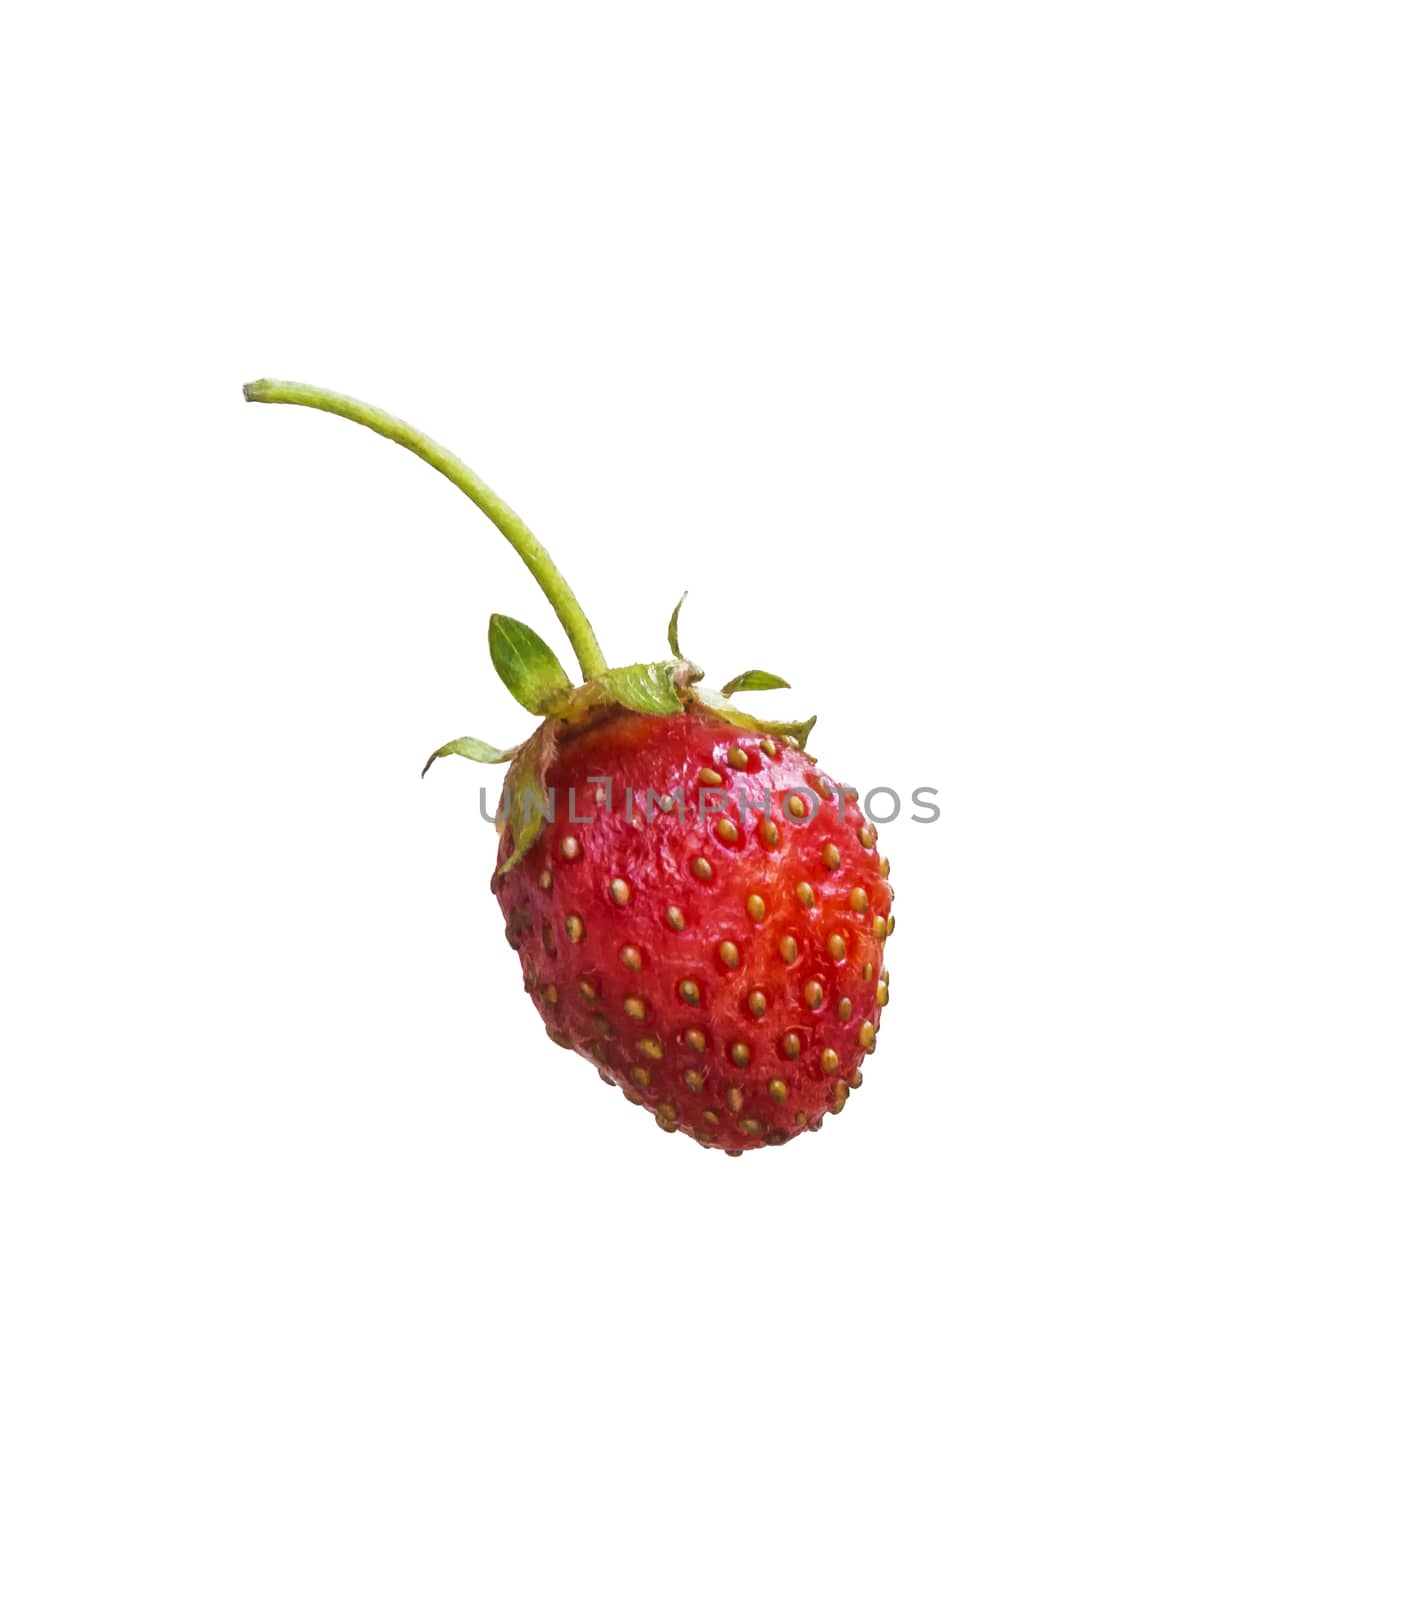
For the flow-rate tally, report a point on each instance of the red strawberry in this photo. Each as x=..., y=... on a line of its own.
x=725, y=971
x=697, y=909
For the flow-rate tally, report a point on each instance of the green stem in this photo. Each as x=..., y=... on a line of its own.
x=565, y=603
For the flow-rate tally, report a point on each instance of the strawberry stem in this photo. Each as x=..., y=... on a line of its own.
x=271, y=391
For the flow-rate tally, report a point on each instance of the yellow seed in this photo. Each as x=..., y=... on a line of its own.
x=729, y=952
x=668, y=1111
x=675, y=918
x=867, y=971
x=726, y=831
x=803, y=893
x=632, y=1096
x=837, y=946
x=694, y=1080
x=620, y=890
x=769, y=747
x=550, y=943
x=737, y=758
x=778, y=1090
x=879, y=927
x=546, y=880
x=696, y=1039
x=867, y=836
x=840, y=1097
x=631, y=957
x=709, y=777
x=573, y=927
x=712, y=1117
x=813, y=994
x=801, y=1119
x=789, y=948
x=884, y=867
x=867, y=1037
x=569, y=848
x=769, y=832
x=702, y=869
x=829, y=1061
x=735, y=1099
x=635, y=1007
x=844, y=1008
x=751, y=1125
x=640, y=1076
x=551, y=994
x=883, y=994
x=690, y=991
x=832, y=857
x=602, y=1025
x=891, y=926
x=755, y=907
x=650, y=1046
x=798, y=806
x=858, y=899
x=740, y=1053
x=587, y=990
x=792, y=1046
x=758, y=1004
x=855, y=1082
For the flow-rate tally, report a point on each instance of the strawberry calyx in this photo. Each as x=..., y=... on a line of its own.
x=536, y=678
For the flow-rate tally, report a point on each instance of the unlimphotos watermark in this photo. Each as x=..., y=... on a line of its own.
x=799, y=805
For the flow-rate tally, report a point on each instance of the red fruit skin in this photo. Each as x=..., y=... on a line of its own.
x=605, y=969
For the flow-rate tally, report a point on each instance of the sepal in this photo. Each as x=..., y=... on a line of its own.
x=755, y=679
x=649, y=687
x=652, y=687
x=527, y=667
x=472, y=750
x=728, y=711
x=672, y=637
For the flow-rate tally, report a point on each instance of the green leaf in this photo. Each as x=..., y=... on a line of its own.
x=527, y=667
x=524, y=817
x=471, y=749
x=526, y=798
x=729, y=712
x=650, y=687
x=755, y=679
x=671, y=635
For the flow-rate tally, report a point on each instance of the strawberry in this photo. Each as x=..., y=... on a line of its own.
x=697, y=909
x=723, y=968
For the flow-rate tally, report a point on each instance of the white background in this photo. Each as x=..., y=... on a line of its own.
x=1029, y=385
